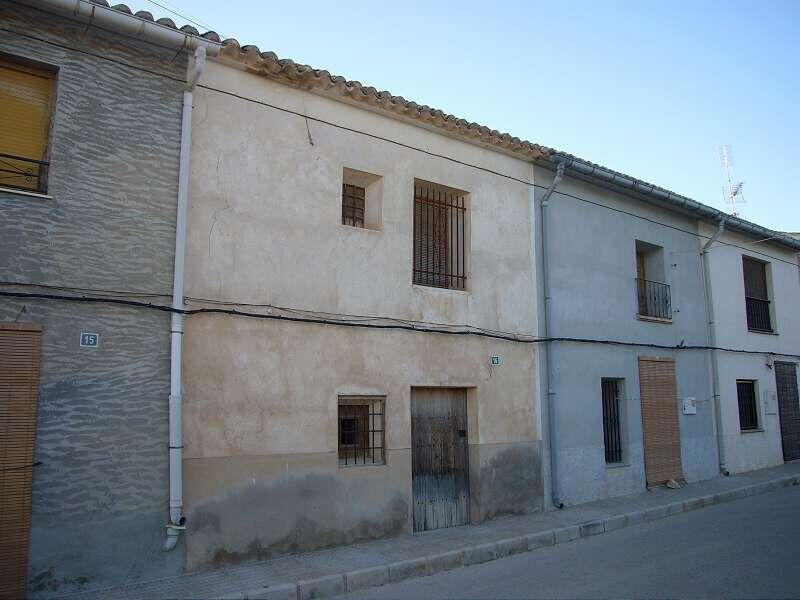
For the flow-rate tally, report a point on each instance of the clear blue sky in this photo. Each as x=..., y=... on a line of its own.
x=650, y=89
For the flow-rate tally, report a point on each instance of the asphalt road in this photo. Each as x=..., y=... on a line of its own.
x=748, y=548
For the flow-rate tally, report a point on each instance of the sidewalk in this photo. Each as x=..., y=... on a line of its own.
x=369, y=564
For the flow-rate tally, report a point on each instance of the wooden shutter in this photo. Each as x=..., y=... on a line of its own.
x=660, y=422
x=19, y=387
x=755, y=279
x=25, y=106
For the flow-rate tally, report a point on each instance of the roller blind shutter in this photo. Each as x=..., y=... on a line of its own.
x=660, y=422
x=25, y=107
x=19, y=385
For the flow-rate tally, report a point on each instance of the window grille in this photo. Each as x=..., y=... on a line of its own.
x=612, y=435
x=440, y=218
x=361, y=431
x=756, y=294
x=25, y=110
x=353, y=202
x=748, y=406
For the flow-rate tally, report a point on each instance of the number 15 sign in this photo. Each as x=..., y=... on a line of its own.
x=90, y=340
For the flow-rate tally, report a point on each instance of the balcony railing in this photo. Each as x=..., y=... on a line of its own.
x=654, y=299
x=23, y=173
x=758, y=318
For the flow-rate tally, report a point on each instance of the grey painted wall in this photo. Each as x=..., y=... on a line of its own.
x=100, y=495
x=592, y=262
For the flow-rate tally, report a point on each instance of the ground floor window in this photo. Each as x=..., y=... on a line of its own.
x=361, y=430
x=612, y=429
x=748, y=406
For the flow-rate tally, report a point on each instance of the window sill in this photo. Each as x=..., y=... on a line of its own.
x=6, y=190
x=437, y=290
x=368, y=466
x=354, y=228
x=762, y=332
x=759, y=430
x=622, y=465
x=653, y=319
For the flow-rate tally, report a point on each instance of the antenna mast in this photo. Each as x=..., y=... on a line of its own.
x=732, y=192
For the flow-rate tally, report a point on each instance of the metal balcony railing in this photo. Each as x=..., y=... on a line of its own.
x=23, y=173
x=758, y=318
x=654, y=299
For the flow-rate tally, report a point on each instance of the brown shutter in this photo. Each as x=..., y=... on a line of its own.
x=755, y=279
x=660, y=422
x=19, y=387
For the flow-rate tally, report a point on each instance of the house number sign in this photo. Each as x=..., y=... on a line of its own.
x=90, y=340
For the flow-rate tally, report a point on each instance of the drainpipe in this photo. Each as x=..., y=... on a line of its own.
x=712, y=341
x=176, y=519
x=548, y=370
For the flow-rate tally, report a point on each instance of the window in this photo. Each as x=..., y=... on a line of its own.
x=440, y=230
x=25, y=111
x=361, y=431
x=361, y=199
x=612, y=420
x=748, y=406
x=653, y=296
x=756, y=295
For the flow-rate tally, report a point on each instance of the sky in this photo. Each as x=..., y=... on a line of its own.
x=649, y=89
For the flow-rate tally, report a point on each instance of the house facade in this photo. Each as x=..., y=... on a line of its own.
x=356, y=237
x=628, y=408
x=755, y=293
x=90, y=120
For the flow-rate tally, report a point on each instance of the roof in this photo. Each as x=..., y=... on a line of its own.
x=321, y=81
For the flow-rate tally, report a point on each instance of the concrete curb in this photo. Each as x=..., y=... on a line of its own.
x=361, y=579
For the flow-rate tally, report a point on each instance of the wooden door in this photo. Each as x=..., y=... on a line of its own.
x=788, y=409
x=661, y=431
x=439, y=458
x=19, y=388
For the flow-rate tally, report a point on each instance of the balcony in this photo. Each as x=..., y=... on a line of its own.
x=654, y=299
x=758, y=317
x=23, y=173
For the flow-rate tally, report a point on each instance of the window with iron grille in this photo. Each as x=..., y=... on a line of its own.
x=756, y=294
x=26, y=95
x=440, y=230
x=361, y=431
x=353, y=205
x=612, y=420
x=748, y=404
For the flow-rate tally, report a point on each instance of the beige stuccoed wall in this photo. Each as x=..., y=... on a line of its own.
x=260, y=396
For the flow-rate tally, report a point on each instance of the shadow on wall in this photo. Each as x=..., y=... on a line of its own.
x=510, y=480
x=290, y=514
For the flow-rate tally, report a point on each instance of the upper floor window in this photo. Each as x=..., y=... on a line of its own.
x=652, y=294
x=756, y=294
x=440, y=232
x=362, y=199
x=26, y=95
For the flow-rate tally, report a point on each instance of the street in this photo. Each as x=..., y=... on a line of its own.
x=742, y=549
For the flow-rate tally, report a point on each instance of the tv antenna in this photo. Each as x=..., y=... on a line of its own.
x=732, y=192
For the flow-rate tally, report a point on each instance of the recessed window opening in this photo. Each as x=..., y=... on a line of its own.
x=748, y=404
x=652, y=293
x=362, y=199
x=440, y=236
x=361, y=431
x=756, y=293
x=26, y=95
x=612, y=419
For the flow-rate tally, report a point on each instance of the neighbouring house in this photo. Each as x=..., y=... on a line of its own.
x=317, y=199
x=90, y=122
x=755, y=306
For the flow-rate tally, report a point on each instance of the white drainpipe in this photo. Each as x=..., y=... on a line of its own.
x=712, y=341
x=176, y=518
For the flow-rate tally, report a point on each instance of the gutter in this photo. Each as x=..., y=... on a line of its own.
x=711, y=331
x=177, y=521
x=618, y=180
x=549, y=400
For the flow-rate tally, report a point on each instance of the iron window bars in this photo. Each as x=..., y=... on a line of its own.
x=756, y=295
x=23, y=173
x=353, y=202
x=654, y=299
x=612, y=436
x=748, y=406
x=440, y=217
x=361, y=431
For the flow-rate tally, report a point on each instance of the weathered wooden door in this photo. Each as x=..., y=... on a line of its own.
x=661, y=431
x=19, y=389
x=439, y=458
x=788, y=409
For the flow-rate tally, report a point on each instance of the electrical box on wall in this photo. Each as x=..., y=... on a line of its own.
x=689, y=406
x=770, y=403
